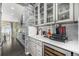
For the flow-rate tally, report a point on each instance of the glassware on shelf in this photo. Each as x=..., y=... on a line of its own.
x=63, y=11
x=63, y=6
x=36, y=22
x=67, y=7
x=42, y=21
x=63, y=16
x=36, y=17
x=41, y=7
x=49, y=19
x=49, y=5
x=36, y=10
x=49, y=12
x=42, y=10
x=41, y=4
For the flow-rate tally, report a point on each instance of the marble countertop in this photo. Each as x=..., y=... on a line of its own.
x=72, y=46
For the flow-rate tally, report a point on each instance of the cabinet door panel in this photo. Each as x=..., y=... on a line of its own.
x=39, y=50
x=36, y=15
x=50, y=17
x=29, y=46
x=64, y=12
x=33, y=49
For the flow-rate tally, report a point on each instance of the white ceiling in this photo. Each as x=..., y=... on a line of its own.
x=26, y=4
x=11, y=12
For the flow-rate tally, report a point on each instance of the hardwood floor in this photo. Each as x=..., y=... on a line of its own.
x=12, y=48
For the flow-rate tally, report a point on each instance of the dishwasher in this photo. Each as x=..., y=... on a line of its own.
x=51, y=50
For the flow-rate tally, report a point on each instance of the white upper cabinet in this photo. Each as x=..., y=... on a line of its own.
x=52, y=13
x=50, y=17
x=42, y=13
x=29, y=14
x=64, y=12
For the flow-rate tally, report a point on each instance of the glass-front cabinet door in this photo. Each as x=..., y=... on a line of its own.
x=50, y=12
x=64, y=12
x=42, y=13
x=36, y=15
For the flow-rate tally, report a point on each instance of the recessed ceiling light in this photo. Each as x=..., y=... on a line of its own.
x=2, y=10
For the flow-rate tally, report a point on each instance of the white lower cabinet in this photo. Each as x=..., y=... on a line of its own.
x=34, y=48
x=39, y=48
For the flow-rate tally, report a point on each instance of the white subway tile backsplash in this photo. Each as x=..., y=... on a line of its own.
x=72, y=31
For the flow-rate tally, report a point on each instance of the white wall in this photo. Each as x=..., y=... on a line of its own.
x=72, y=31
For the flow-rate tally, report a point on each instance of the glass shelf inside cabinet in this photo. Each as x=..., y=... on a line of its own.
x=42, y=18
x=36, y=22
x=49, y=5
x=49, y=12
x=63, y=16
x=41, y=5
x=36, y=8
x=63, y=11
x=42, y=21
